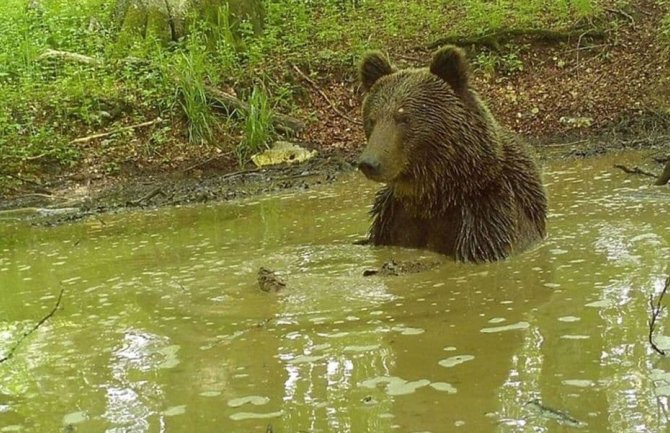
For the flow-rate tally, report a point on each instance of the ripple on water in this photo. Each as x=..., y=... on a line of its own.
x=241, y=416
x=175, y=410
x=512, y=327
x=455, y=360
x=395, y=385
x=251, y=399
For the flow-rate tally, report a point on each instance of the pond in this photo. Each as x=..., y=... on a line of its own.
x=162, y=326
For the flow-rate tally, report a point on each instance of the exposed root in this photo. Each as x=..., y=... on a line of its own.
x=493, y=40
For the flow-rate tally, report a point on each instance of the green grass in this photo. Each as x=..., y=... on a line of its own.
x=258, y=129
x=46, y=104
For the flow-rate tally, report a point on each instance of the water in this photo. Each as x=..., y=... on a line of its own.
x=163, y=327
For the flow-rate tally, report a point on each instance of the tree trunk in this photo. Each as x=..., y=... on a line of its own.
x=168, y=19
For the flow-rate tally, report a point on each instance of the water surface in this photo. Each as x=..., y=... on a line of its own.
x=163, y=327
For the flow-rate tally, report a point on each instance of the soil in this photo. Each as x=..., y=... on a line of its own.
x=572, y=99
x=73, y=201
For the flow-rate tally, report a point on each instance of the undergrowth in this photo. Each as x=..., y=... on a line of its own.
x=48, y=103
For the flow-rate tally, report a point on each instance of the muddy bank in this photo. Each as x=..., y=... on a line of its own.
x=75, y=201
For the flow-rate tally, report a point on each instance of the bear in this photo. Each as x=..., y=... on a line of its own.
x=456, y=182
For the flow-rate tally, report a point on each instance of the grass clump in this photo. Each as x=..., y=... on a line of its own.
x=258, y=129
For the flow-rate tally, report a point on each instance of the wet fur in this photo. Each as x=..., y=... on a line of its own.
x=469, y=190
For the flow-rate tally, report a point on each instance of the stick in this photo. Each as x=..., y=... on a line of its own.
x=635, y=170
x=33, y=329
x=107, y=134
x=324, y=96
x=656, y=310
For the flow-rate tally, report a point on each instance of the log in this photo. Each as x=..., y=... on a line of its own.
x=230, y=104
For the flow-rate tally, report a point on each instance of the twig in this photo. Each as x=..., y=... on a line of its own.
x=325, y=97
x=153, y=193
x=240, y=173
x=33, y=329
x=116, y=131
x=656, y=311
x=623, y=14
x=635, y=170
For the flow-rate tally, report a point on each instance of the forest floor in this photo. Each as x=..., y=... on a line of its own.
x=576, y=97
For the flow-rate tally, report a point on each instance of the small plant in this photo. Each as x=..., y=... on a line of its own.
x=665, y=26
x=493, y=63
x=258, y=129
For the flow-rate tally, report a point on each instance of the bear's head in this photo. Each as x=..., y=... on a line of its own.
x=423, y=124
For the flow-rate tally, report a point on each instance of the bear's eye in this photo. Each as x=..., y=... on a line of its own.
x=401, y=116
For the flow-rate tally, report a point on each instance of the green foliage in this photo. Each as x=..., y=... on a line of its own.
x=258, y=129
x=492, y=63
x=46, y=104
x=665, y=26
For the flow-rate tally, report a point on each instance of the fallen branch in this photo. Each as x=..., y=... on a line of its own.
x=494, y=39
x=324, y=96
x=665, y=176
x=656, y=311
x=116, y=131
x=635, y=170
x=230, y=104
x=33, y=329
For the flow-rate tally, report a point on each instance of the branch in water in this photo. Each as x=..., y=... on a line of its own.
x=10, y=354
x=656, y=311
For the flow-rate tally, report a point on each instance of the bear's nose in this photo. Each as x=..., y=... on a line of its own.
x=369, y=166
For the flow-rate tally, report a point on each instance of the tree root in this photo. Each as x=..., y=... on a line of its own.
x=493, y=40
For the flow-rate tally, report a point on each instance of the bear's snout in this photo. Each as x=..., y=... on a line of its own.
x=369, y=165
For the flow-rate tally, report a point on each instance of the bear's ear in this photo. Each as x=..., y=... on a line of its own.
x=373, y=66
x=450, y=64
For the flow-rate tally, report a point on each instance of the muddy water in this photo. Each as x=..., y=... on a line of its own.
x=163, y=327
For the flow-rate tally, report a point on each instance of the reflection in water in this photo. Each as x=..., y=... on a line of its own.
x=164, y=329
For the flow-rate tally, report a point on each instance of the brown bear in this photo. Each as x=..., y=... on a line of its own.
x=456, y=182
